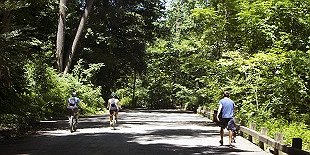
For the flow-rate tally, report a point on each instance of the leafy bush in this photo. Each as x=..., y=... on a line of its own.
x=289, y=131
x=46, y=94
x=126, y=102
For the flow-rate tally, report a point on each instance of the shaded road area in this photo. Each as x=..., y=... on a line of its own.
x=137, y=133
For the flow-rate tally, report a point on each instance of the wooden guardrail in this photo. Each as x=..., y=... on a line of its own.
x=274, y=143
x=277, y=143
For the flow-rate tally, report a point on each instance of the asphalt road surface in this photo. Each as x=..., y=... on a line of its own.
x=137, y=133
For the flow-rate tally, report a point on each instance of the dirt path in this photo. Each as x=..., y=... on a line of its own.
x=137, y=133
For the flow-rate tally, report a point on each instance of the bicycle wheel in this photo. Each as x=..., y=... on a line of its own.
x=71, y=125
x=74, y=123
x=113, y=123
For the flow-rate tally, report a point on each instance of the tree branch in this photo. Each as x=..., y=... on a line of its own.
x=78, y=35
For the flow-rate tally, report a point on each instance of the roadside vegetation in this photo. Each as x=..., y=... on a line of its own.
x=258, y=50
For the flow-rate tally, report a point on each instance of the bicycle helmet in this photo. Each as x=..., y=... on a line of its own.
x=226, y=94
x=74, y=94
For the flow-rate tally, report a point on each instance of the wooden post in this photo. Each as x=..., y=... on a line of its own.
x=237, y=124
x=199, y=110
x=204, y=110
x=297, y=143
x=242, y=124
x=264, y=133
x=253, y=127
x=214, y=116
x=250, y=138
x=278, y=138
x=211, y=114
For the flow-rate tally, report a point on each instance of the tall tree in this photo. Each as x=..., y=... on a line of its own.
x=61, y=34
x=118, y=34
x=65, y=64
x=72, y=50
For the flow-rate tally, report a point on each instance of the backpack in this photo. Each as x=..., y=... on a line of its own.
x=113, y=104
x=72, y=101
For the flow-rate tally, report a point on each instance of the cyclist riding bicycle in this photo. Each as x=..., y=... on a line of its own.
x=73, y=105
x=113, y=106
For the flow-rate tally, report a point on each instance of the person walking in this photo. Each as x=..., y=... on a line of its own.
x=225, y=116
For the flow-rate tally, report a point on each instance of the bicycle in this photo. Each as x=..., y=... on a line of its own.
x=72, y=119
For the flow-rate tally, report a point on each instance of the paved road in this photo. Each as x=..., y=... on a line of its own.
x=137, y=133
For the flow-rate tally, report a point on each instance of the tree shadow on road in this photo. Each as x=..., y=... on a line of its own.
x=168, y=139
x=183, y=132
x=106, y=143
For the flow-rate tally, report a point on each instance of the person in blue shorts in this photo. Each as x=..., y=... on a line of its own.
x=225, y=116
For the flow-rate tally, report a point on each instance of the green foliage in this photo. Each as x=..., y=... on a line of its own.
x=116, y=36
x=46, y=95
x=126, y=102
x=125, y=97
x=258, y=50
x=242, y=50
x=50, y=91
x=289, y=130
x=299, y=130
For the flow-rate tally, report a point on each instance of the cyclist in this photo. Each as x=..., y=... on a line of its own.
x=73, y=102
x=113, y=106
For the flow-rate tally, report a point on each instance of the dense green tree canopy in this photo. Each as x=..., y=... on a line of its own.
x=258, y=50
x=111, y=49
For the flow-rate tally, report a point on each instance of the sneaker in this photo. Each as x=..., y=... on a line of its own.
x=221, y=142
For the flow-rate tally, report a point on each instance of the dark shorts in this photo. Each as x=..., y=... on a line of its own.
x=228, y=123
x=72, y=110
x=112, y=111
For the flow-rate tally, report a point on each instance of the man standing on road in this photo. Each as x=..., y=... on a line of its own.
x=226, y=110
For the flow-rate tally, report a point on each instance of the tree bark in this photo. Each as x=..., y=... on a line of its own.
x=89, y=4
x=61, y=34
x=134, y=90
x=5, y=77
x=5, y=22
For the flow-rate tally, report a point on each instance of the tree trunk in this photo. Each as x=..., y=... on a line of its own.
x=61, y=34
x=78, y=35
x=5, y=77
x=5, y=21
x=134, y=102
